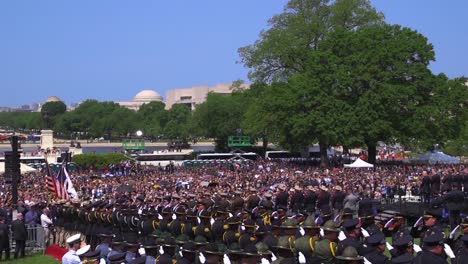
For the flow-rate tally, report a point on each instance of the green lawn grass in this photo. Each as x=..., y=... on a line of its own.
x=34, y=259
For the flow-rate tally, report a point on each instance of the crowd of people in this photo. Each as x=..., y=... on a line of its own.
x=263, y=211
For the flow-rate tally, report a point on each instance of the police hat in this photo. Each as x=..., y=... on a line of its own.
x=74, y=239
x=92, y=254
x=140, y=260
x=330, y=226
x=403, y=241
x=189, y=246
x=117, y=258
x=433, y=239
x=349, y=253
x=376, y=239
x=351, y=224
x=83, y=250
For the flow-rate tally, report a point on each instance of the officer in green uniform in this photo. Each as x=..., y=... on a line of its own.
x=306, y=243
x=327, y=247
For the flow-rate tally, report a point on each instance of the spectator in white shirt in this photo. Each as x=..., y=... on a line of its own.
x=46, y=223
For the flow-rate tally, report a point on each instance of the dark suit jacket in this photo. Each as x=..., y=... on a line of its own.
x=19, y=230
x=4, y=235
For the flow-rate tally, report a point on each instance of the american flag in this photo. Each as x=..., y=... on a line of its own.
x=50, y=181
x=62, y=183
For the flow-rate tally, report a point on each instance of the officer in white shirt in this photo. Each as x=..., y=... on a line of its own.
x=71, y=257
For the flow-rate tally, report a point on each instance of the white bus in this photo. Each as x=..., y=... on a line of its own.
x=163, y=158
x=281, y=154
x=226, y=156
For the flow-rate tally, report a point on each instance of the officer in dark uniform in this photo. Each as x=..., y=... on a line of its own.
x=105, y=246
x=376, y=245
x=396, y=227
x=117, y=247
x=189, y=253
x=337, y=200
x=231, y=235
x=247, y=234
x=190, y=225
x=204, y=227
x=435, y=184
x=462, y=254
x=403, y=250
x=253, y=200
x=352, y=230
x=297, y=200
x=310, y=200
x=454, y=202
x=323, y=200
x=433, y=250
x=427, y=224
x=425, y=188
x=282, y=197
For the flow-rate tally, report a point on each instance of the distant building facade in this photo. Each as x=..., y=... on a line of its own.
x=196, y=95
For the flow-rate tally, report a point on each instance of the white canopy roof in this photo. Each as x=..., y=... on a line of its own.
x=24, y=168
x=359, y=163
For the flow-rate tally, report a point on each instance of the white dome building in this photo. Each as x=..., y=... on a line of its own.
x=141, y=98
x=147, y=96
x=53, y=99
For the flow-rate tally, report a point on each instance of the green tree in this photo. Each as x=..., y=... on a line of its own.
x=220, y=116
x=291, y=48
x=382, y=72
x=283, y=49
x=153, y=118
x=50, y=111
x=178, y=122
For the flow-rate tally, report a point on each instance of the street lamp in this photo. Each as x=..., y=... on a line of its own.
x=139, y=133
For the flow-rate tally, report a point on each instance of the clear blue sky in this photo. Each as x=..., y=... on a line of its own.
x=111, y=49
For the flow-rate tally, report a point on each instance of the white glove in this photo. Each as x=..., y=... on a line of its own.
x=161, y=250
x=212, y=221
x=388, y=223
x=273, y=257
x=321, y=232
x=174, y=217
x=419, y=222
x=454, y=232
x=448, y=250
x=198, y=220
x=160, y=217
x=202, y=258
x=102, y=261
x=336, y=218
x=141, y=251
x=417, y=248
x=242, y=227
x=180, y=253
x=230, y=215
x=366, y=261
x=389, y=247
x=341, y=236
x=265, y=261
x=226, y=259
x=140, y=211
x=302, y=231
x=364, y=232
x=302, y=258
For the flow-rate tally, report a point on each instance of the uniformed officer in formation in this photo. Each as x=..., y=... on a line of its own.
x=254, y=226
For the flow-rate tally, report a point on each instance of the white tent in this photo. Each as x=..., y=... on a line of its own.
x=359, y=163
x=24, y=168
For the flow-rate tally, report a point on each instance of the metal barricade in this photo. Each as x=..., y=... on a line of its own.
x=35, y=242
